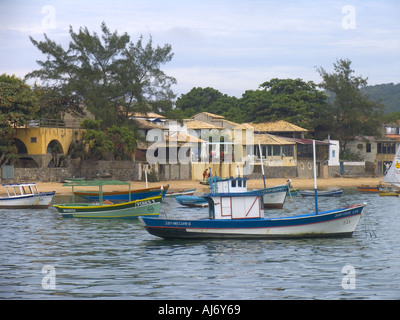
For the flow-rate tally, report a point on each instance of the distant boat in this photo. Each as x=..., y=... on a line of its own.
x=25, y=196
x=74, y=179
x=105, y=209
x=322, y=193
x=392, y=177
x=180, y=193
x=191, y=201
x=238, y=214
x=368, y=189
x=121, y=196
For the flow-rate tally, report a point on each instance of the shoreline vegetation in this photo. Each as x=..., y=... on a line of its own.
x=177, y=185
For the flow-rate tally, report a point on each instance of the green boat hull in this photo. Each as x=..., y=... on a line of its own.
x=126, y=210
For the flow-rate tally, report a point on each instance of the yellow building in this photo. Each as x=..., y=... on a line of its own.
x=38, y=143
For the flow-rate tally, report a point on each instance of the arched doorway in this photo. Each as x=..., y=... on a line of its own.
x=20, y=146
x=55, y=149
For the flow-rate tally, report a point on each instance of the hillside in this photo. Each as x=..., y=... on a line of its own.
x=388, y=94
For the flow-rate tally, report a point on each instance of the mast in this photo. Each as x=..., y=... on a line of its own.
x=262, y=164
x=315, y=179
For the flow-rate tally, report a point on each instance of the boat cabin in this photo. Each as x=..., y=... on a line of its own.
x=229, y=199
x=16, y=190
x=228, y=185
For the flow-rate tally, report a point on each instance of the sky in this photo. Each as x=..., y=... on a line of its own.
x=229, y=45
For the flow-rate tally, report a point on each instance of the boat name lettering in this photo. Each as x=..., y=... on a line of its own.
x=145, y=203
x=178, y=223
x=69, y=210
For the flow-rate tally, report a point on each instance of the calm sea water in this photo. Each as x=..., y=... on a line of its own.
x=45, y=256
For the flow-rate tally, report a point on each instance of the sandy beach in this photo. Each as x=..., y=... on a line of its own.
x=176, y=185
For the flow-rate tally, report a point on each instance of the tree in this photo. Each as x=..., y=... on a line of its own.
x=18, y=104
x=351, y=113
x=110, y=74
x=208, y=100
x=95, y=142
x=54, y=104
x=197, y=100
x=293, y=100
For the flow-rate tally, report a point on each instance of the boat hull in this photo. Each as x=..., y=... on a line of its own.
x=334, y=223
x=327, y=193
x=368, y=189
x=41, y=200
x=191, y=201
x=180, y=193
x=275, y=197
x=122, y=196
x=126, y=210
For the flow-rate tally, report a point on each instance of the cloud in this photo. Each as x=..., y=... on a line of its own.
x=232, y=45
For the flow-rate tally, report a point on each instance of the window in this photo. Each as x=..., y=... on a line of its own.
x=287, y=151
x=386, y=147
x=33, y=139
x=368, y=147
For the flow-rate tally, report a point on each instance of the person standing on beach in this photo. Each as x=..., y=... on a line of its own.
x=205, y=174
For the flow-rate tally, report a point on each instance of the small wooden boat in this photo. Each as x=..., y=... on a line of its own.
x=106, y=209
x=368, y=189
x=121, y=196
x=239, y=214
x=191, y=201
x=389, y=192
x=180, y=193
x=322, y=193
x=274, y=197
x=25, y=196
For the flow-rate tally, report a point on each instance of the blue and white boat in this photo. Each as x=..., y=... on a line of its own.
x=238, y=213
x=25, y=196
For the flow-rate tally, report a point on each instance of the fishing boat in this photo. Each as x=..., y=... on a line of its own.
x=368, y=189
x=274, y=197
x=25, y=196
x=392, y=177
x=123, y=196
x=239, y=214
x=105, y=208
x=180, y=193
x=322, y=193
x=191, y=201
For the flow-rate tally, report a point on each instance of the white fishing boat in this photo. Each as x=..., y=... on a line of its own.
x=239, y=214
x=392, y=178
x=25, y=196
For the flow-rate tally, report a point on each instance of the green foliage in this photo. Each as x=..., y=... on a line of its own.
x=296, y=101
x=388, y=94
x=124, y=141
x=18, y=104
x=116, y=143
x=54, y=104
x=350, y=112
x=110, y=74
